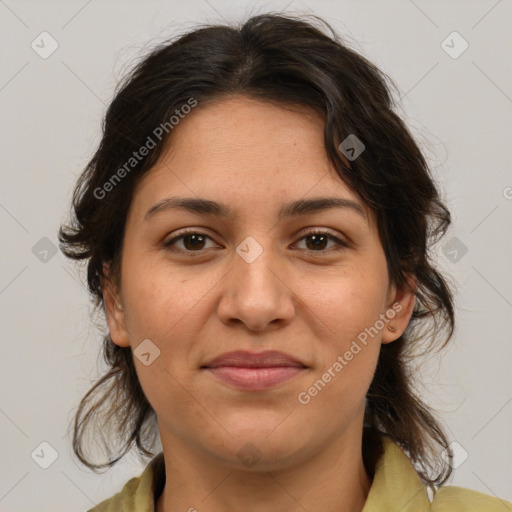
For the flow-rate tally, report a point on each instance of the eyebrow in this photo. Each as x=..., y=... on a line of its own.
x=293, y=209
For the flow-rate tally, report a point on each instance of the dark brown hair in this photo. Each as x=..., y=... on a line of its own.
x=290, y=61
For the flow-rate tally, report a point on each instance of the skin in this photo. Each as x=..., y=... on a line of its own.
x=306, y=301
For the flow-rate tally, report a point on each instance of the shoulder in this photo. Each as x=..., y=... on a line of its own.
x=117, y=503
x=140, y=492
x=397, y=486
x=460, y=499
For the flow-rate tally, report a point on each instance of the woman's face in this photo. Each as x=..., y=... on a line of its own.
x=256, y=279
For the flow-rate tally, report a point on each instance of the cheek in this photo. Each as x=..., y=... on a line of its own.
x=347, y=352
x=161, y=300
x=347, y=312
x=350, y=302
x=164, y=307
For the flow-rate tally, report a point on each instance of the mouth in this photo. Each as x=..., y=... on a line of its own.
x=254, y=371
x=255, y=378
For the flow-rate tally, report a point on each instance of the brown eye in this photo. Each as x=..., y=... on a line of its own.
x=317, y=241
x=192, y=241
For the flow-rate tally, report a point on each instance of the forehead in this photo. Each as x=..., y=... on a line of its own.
x=236, y=129
x=245, y=152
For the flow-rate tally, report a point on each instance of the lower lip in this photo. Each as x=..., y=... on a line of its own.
x=255, y=378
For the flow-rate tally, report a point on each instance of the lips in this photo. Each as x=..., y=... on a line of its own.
x=249, y=371
x=244, y=359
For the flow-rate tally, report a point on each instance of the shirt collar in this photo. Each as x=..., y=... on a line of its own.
x=396, y=484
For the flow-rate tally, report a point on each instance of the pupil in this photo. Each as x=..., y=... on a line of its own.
x=318, y=240
x=198, y=240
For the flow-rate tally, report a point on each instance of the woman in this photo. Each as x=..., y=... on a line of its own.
x=256, y=222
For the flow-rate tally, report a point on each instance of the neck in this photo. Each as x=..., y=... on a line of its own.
x=334, y=479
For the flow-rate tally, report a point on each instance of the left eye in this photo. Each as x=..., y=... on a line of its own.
x=194, y=241
x=319, y=239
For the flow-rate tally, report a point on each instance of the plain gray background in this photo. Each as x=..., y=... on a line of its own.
x=458, y=107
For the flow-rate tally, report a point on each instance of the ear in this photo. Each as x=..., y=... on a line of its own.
x=400, y=306
x=114, y=310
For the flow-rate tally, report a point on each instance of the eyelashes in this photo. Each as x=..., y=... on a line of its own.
x=318, y=236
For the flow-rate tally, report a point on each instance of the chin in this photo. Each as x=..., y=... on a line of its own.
x=257, y=450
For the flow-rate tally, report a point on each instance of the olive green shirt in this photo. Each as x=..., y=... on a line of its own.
x=396, y=486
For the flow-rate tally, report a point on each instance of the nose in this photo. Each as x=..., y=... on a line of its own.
x=257, y=293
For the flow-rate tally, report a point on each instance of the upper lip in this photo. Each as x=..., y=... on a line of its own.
x=245, y=359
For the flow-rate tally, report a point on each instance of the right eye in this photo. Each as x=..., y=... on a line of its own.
x=193, y=241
